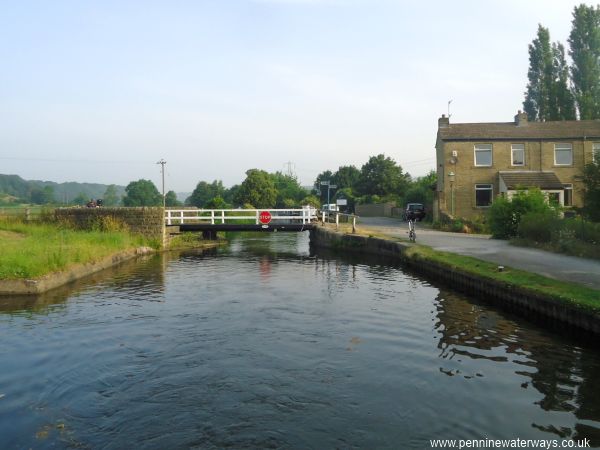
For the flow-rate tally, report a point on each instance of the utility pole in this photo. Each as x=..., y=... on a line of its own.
x=162, y=163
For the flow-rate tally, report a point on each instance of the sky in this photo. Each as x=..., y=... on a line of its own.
x=100, y=91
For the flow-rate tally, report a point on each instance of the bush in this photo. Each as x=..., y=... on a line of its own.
x=505, y=215
x=542, y=226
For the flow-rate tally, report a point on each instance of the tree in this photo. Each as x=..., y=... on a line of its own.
x=258, y=189
x=584, y=49
x=548, y=96
x=81, y=199
x=217, y=203
x=591, y=194
x=562, y=106
x=346, y=177
x=171, y=199
x=381, y=176
x=421, y=190
x=42, y=196
x=289, y=191
x=142, y=193
x=205, y=192
x=110, y=196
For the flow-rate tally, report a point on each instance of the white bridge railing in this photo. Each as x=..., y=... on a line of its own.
x=221, y=216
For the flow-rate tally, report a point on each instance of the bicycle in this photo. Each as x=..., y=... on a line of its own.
x=412, y=235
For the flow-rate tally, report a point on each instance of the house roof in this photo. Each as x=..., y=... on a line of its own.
x=543, y=180
x=567, y=129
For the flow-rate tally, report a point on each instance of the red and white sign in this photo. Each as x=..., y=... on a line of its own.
x=264, y=217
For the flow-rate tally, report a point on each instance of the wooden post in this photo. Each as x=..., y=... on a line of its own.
x=337, y=221
x=353, y=224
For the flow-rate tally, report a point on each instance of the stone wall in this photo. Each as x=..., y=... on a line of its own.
x=149, y=222
x=374, y=210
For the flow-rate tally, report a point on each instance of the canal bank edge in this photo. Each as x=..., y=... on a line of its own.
x=505, y=294
x=72, y=273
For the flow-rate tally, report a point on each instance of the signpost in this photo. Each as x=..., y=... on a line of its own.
x=264, y=217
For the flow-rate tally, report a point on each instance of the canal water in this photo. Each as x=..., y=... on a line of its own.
x=265, y=344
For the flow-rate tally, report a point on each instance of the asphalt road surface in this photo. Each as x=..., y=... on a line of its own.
x=553, y=265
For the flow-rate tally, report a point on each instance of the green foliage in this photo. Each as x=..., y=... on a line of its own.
x=63, y=192
x=217, y=203
x=548, y=96
x=591, y=194
x=381, y=176
x=81, y=199
x=142, y=193
x=42, y=196
x=171, y=199
x=111, y=198
x=205, y=192
x=346, y=177
x=311, y=200
x=505, y=214
x=584, y=43
x=540, y=226
x=289, y=191
x=257, y=189
x=32, y=250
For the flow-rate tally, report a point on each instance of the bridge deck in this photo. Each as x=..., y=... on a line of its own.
x=245, y=227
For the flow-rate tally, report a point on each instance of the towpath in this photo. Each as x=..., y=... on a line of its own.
x=561, y=267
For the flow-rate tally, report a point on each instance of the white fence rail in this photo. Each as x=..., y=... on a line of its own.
x=221, y=216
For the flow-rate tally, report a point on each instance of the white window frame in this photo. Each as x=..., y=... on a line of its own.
x=488, y=187
x=483, y=148
x=567, y=187
x=596, y=151
x=514, y=147
x=562, y=146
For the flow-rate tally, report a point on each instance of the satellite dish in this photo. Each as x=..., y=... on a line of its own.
x=453, y=160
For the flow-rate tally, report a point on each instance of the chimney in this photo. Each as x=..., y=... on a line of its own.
x=521, y=119
x=443, y=122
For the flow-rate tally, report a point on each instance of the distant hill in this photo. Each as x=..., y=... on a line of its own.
x=15, y=186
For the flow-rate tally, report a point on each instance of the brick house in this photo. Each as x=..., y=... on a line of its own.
x=476, y=162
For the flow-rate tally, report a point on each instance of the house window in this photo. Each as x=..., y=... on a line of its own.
x=568, y=194
x=483, y=195
x=483, y=155
x=596, y=152
x=517, y=154
x=563, y=154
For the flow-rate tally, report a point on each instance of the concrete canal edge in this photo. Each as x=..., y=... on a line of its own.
x=526, y=302
x=73, y=273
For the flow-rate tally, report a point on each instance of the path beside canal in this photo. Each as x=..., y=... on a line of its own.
x=561, y=267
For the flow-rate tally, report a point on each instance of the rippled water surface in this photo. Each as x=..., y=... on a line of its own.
x=262, y=344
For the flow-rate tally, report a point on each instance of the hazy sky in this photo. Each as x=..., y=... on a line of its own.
x=99, y=91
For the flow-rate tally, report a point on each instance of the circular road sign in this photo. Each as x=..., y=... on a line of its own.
x=264, y=217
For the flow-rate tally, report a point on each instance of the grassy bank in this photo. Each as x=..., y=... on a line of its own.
x=29, y=250
x=572, y=293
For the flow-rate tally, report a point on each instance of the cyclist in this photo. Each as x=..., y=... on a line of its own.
x=411, y=218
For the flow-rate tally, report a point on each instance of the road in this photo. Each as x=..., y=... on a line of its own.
x=553, y=265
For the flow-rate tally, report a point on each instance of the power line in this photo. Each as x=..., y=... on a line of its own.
x=84, y=161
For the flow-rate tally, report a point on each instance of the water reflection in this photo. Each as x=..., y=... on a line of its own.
x=267, y=343
x=556, y=367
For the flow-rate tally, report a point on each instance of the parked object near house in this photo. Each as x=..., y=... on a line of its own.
x=414, y=210
x=476, y=162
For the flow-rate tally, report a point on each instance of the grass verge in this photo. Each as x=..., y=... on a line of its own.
x=33, y=250
x=572, y=293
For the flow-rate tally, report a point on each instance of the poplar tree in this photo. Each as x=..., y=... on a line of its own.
x=584, y=49
x=548, y=96
x=562, y=102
